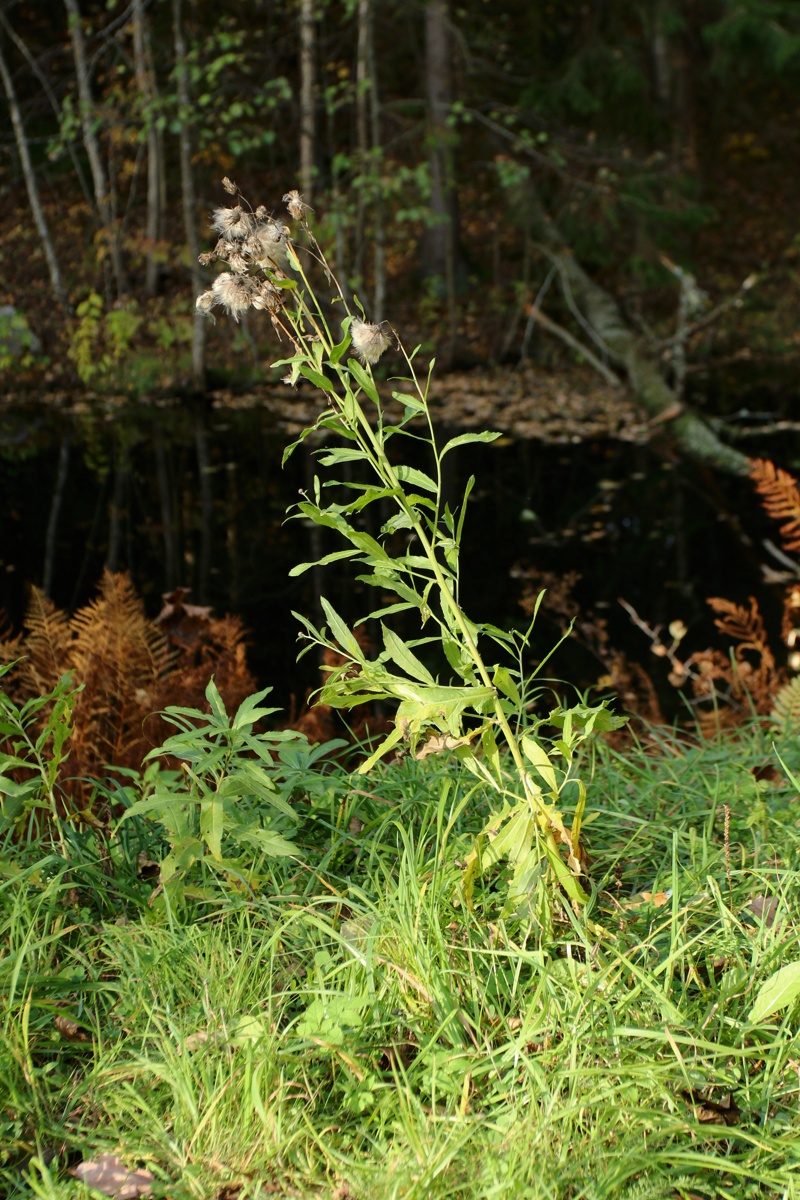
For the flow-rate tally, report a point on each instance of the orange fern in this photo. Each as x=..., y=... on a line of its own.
x=780, y=498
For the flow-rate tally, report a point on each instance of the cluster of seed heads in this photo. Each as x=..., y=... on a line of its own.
x=254, y=247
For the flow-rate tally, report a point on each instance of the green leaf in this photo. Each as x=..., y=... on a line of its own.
x=334, y=556
x=388, y=742
x=779, y=992
x=363, y=379
x=416, y=478
x=212, y=820
x=329, y=458
x=464, y=439
x=215, y=700
x=537, y=755
x=249, y=712
x=410, y=401
x=503, y=680
x=319, y=380
x=338, y=351
x=341, y=632
x=400, y=654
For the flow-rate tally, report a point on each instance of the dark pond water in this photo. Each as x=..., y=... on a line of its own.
x=195, y=495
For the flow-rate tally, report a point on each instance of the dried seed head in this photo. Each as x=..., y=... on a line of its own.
x=268, y=297
x=369, y=341
x=230, y=187
x=296, y=205
x=266, y=246
x=204, y=301
x=234, y=293
x=261, y=213
x=207, y=259
x=237, y=262
x=232, y=223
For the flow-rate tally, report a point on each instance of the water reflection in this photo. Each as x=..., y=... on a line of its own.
x=195, y=496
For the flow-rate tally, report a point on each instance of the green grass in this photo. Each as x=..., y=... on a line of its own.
x=354, y=1031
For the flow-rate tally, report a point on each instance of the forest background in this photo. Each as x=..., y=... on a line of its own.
x=587, y=211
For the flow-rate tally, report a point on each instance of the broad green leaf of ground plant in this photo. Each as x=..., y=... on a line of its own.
x=777, y=993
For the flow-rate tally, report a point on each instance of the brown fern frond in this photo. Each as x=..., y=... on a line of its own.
x=46, y=643
x=781, y=498
x=745, y=626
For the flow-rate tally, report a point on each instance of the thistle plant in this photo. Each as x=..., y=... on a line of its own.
x=483, y=715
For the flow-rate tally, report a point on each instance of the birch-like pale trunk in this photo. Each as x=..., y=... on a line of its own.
x=370, y=152
x=32, y=185
x=188, y=195
x=441, y=240
x=146, y=86
x=102, y=193
x=307, y=108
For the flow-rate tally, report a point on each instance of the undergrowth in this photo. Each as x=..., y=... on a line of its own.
x=353, y=1030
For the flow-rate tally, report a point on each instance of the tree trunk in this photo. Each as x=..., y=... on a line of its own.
x=48, y=568
x=146, y=86
x=689, y=431
x=31, y=185
x=204, y=469
x=188, y=191
x=168, y=529
x=441, y=239
x=54, y=104
x=370, y=153
x=307, y=114
x=103, y=199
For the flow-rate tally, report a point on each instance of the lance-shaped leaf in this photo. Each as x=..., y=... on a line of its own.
x=402, y=657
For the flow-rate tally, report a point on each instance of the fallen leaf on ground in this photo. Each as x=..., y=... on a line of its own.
x=764, y=908
x=724, y=1111
x=110, y=1176
x=71, y=1029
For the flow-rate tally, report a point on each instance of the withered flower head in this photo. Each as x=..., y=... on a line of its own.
x=296, y=205
x=261, y=212
x=267, y=296
x=232, y=223
x=234, y=293
x=369, y=341
x=266, y=246
x=230, y=187
x=237, y=262
x=207, y=258
x=204, y=301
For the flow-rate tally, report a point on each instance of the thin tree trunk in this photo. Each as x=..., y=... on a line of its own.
x=206, y=507
x=144, y=80
x=169, y=532
x=441, y=239
x=117, y=510
x=54, y=104
x=369, y=157
x=379, y=262
x=31, y=185
x=362, y=133
x=48, y=568
x=307, y=113
x=102, y=193
x=188, y=190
